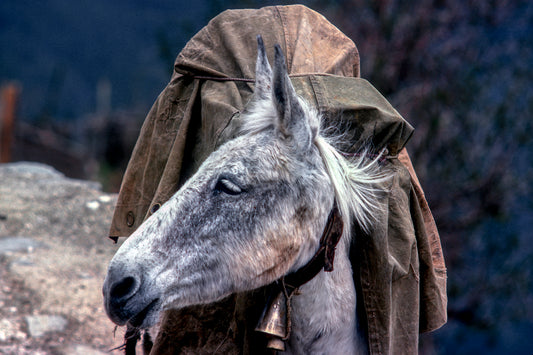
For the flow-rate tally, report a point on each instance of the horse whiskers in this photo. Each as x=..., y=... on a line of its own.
x=131, y=337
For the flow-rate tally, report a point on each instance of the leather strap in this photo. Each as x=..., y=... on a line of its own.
x=324, y=256
x=288, y=285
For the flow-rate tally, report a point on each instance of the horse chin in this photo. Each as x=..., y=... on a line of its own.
x=148, y=316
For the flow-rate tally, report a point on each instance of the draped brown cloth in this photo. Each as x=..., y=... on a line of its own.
x=399, y=269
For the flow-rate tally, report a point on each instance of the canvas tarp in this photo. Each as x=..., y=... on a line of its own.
x=399, y=269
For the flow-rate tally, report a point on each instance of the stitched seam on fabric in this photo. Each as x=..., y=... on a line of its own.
x=214, y=78
x=222, y=129
x=373, y=341
x=250, y=80
x=286, y=35
x=319, y=93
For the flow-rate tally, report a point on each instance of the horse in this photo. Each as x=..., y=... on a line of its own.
x=254, y=213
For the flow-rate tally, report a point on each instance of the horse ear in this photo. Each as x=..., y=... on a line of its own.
x=263, y=72
x=293, y=123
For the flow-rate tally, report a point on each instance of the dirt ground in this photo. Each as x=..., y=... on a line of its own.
x=53, y=258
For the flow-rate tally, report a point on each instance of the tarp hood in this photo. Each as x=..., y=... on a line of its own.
x=310, y=42
x=314, y=49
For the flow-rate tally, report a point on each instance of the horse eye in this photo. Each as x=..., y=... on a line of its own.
x=226, y=186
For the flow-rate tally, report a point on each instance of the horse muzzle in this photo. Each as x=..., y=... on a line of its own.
x=125, y=301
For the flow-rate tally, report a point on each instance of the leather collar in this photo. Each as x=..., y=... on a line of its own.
x=325, y=254
x=275, y=323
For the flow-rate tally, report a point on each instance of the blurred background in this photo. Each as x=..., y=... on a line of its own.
x=78, y=78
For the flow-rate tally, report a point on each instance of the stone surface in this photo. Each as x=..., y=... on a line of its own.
x=39, y=325
x=12, y=244
x=10, y=330
x=54, y=253
x=79, y=349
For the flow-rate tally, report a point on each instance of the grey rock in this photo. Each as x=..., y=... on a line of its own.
x=41, y=324
x=79, y=349
x=32, y=169
x=43, y=174
x=10, y=330
x=15, y=244
x=21, y=262
x=60, y=281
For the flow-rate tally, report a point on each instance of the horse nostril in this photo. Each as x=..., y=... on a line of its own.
x=123, y=288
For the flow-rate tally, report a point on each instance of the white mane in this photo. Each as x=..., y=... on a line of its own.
x=354, y=178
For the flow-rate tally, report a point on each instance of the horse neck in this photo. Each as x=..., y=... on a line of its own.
x=323, y=314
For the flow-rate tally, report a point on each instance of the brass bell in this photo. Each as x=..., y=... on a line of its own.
x=273, y=322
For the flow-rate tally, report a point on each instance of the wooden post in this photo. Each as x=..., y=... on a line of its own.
x=9, y=101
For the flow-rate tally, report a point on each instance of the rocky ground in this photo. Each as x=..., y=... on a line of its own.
x=53, y=258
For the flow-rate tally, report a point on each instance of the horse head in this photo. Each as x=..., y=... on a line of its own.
x=253, y=212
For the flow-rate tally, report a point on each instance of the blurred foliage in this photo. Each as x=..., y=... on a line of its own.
x=460, y=72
